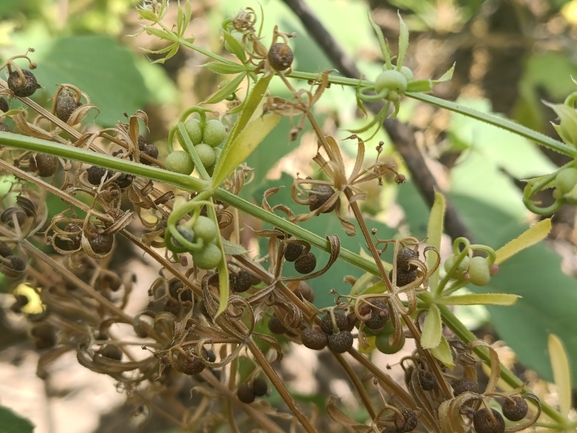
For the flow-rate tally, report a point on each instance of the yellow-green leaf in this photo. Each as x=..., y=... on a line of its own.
x=443, y=353
x=434, y=233
x=232, y=249
x=561, y=373
x=245, y=143
x=224, y=68
x=226, y=90
x=530, y=237
x=432, y=328
x=481, y=299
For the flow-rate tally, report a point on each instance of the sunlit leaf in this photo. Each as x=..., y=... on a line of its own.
x=534, y=235
x=561, y=373
x=481, y=299
x=432, y=328
x=434, y=233
x=227, y=90
x=443, y=353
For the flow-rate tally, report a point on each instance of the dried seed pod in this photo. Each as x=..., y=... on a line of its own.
x=293, y=252
x=22, y=88
x=280, y=56
x=187, y=363
x=410, y=421
x=10, y=213
x=306, y=264
x=340, y=342
x=259, y=387
x=340, y=319
x=516, y=409
x=177, y=291
x=245, y=394
x=5, y=249
x=304, y=291
x=46, y=164
x=319, y=195
x=403, y=256
x=4, y=105
x=65, y=106
x=404, y=278
x=242, y=282
x=102, y=243
x=74, y=239
x=44, y=336
x=483, y=422
x=275, y=326
x=124, y=180
x=111, y=351
x=27, y=205
x=96, y=173
x=17, y=263
x=464, y=385
x=379, y=315
x=141, y=141
x=427, y=380
x=314, y=339
x=151, y=150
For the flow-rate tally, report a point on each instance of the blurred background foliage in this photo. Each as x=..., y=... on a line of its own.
x=509, y=54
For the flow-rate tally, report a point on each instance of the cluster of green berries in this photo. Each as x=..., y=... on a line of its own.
x=477, y=270
x=205, y=229
x=206, y=139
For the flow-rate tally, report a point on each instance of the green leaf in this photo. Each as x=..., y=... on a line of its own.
x=235, y=46
x=403, y=41
x=534, y=235
x=561, y=373
x=12, y=423
x=224, y=68
x=159, y=33
x=443, y=353
x=232, y=249
x=434, y=233
x=432, y=328
x=481, y=299
x=237, y=151
x=99, y=66
x=227, y=90
x=420, y=86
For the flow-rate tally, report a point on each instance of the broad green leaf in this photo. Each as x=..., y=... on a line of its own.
x=481, y=299
x=432, y=328
x=561, y=373
x=443, y=353
x=224, y=68
x=244, y=144
x=227, y=90
x=12, y=423
x=534, y=235
x=434, y=233
x=99, y=66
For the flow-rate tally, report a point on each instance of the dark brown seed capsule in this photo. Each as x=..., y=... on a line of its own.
x=515, y=410
x=404, y=278
x=379, y=315
x=46, y=164
x=293, y=252
x=259, y=387
x=44, y=336
x=409, y=423
x=4, y=105
x=464, y=385
x=306, y=263
x=280, y=56
x=96, y=173
x=111, y=351
x=340, y=319
x=340, y=342
x=17, y=263
x=13, y=212
x=124, y=180
x=245, y=394
x=141, y=142
x=243, y=282
x=403, y=257
x=319, y=195
x=304, y=291
x=187, y=363
x=22, y=88
x=275, y=326
x=102, y=243
x=151, y=150
x=5, y=250
x=427, y=380
x=314, y=339
x=65, y=106
x=27, y=205
x=483, y=422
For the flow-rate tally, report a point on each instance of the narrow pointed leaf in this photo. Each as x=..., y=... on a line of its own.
x=420, y=86
x=159, y=33
x=403, y=41
x=481, y=299
x=534, y=235
x=227, y=90
x=561, y=373
x=446, y=76
x=432, y=329
x=224, y=68
x=235, y=46
x=244, y=144
x=382, y=43
x=232, y=249
x=434, y=233
x=443, y=353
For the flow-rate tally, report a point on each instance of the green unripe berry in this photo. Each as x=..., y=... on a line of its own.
x=384, y=345
x=214, y=133
x=207, y=258
x=566, y=180
x=179, y=161
x=479, y=271
x=391, y=80
x=194, y=130
x=205, y=229
x=407, y=73
x=206, y=154
x=463, y=266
